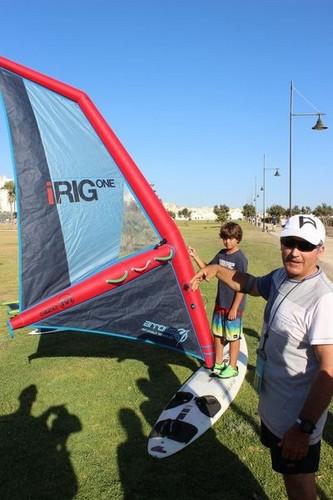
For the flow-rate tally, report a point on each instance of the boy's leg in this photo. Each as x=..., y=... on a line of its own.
x=217, y=331
x=232, y=334
x=219, y=346
x=219, y=363
x=234, y=348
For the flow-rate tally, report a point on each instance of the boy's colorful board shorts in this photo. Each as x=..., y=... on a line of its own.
x=228, y=329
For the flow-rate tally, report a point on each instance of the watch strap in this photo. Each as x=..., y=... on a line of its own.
x=305, y=425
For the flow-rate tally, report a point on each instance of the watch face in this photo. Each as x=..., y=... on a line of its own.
x=307, y=426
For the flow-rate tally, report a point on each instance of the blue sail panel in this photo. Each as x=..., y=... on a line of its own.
x=75, y=207
x=40, y=232
x=86, y=185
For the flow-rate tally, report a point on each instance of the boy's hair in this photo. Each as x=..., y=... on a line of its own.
x=231, y=230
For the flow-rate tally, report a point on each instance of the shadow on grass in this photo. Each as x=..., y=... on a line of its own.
x=71, y=344
x=205, y=469
x=251, y=333
x=328, y=430
x=34, y=460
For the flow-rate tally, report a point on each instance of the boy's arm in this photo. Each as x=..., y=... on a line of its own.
x=236, y=280
x=195, y=256
x=241, y=266
x=238, y=297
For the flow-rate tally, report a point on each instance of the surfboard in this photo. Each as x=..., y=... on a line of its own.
x=195, y=407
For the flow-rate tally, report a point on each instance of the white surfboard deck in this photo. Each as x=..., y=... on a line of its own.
x=178, y=426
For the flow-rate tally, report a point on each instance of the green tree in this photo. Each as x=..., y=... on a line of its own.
x=324, y=212
x=276, y=211
x=295, y=210
x=9, y=186
x=172, y=214
x=249, y=211
x=222, y=213
x=185, y=213
x=306, y=210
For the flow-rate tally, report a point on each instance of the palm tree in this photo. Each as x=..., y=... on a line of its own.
x=9, y=186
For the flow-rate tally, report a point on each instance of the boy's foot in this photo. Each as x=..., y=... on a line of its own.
x=229, y=372
x=218, y=368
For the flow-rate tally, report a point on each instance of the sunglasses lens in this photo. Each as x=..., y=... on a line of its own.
x=305, y=246
x=302, y=245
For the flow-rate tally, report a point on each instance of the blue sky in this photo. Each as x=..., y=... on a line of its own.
x=196, y=90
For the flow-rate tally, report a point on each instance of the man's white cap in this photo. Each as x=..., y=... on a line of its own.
x=308, y=227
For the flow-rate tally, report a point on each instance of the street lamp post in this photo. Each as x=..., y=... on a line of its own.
x=256, y=195
x=318, y=126
x=263, y=189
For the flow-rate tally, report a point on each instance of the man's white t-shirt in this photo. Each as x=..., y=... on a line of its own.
x=298, y=315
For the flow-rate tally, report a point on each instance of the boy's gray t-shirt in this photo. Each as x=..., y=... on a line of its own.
x=236, y=261
x=297, y=316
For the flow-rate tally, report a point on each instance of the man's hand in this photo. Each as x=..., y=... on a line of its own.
x=205, y=274
x=294, y=444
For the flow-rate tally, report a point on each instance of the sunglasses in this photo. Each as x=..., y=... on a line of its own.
x=301, y=245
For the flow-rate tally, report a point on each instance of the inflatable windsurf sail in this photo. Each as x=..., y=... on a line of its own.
x=98, y=251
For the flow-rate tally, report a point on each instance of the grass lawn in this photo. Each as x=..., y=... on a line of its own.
x=76, y=409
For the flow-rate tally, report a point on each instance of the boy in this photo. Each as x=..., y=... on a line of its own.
x=227, y=324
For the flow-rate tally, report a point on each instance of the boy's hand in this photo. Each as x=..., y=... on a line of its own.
x=232, y=314
x=205, y=274
x=192, y=252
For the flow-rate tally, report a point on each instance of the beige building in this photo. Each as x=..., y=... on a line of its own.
x=202, y=213
x=4, y=204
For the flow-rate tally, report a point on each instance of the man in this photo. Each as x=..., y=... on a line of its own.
x=294, y=371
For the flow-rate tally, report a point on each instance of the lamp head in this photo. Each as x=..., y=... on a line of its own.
x=319, y=124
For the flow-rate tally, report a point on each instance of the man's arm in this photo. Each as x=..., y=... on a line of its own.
x=236, y=280
x=295, y=443
x=322, y=388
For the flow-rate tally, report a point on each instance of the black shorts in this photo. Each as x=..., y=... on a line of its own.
x=307, y=465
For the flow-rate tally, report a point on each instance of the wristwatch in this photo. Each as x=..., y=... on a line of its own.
x=305, y=425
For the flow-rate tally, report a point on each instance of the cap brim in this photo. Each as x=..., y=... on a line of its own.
x=299, y=234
